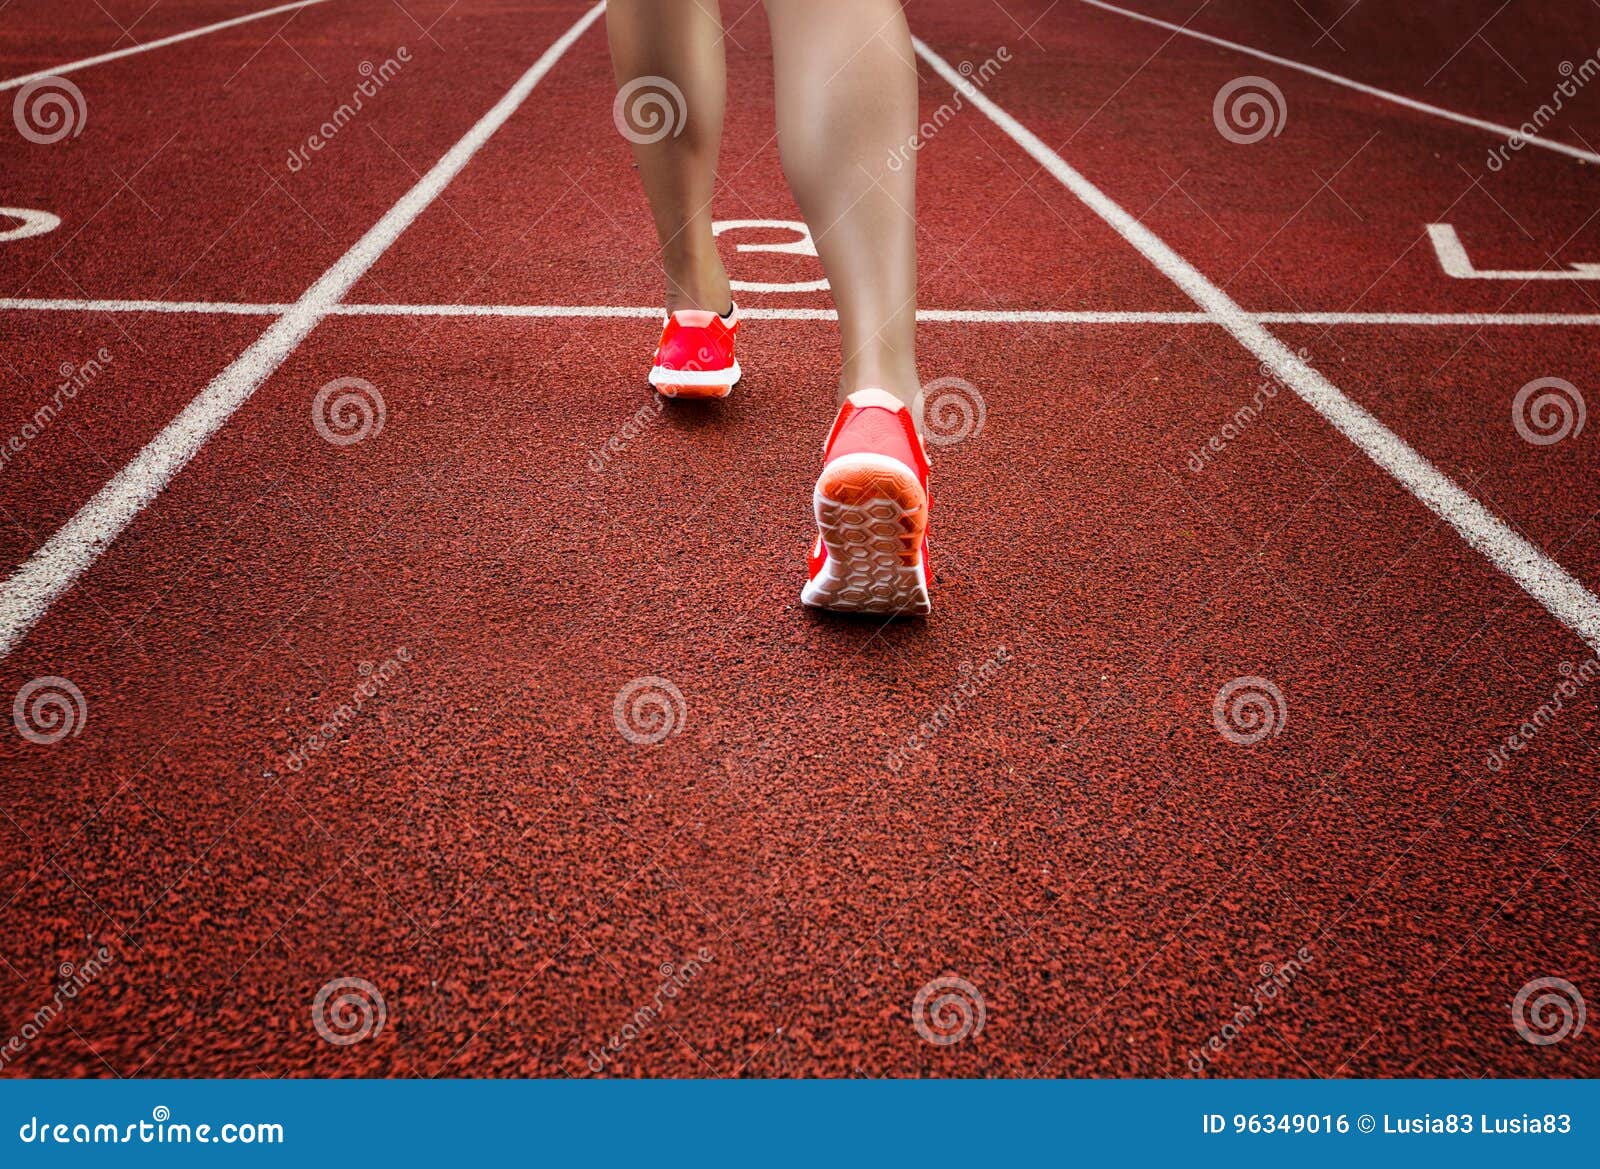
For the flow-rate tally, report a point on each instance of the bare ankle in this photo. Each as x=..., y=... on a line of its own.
x=700, y=285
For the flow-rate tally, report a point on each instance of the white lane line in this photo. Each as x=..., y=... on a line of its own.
x=1495, y=128
x=53, y=568
x=926, y=316
x=1541, y=577
x=68, y=305
x=118, y=54
x=936, y=316
x=1477, y=320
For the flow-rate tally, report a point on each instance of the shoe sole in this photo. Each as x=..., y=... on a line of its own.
x=677, y=383
x=872, y=513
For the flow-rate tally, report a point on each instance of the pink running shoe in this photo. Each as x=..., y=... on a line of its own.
x=695, y=357
x=871, y=502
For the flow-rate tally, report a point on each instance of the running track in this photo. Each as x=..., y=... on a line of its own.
x=1399, y=574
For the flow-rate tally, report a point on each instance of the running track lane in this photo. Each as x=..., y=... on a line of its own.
x=36, y=41
x=1426, y=53
x=592, y=242
x=1252, y=239
x=1327, y=214
x=1081, y=844
x=187, y=192
x=56, y=564
x=259, y=230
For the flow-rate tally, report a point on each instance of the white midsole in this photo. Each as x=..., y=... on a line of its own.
x=660, y=375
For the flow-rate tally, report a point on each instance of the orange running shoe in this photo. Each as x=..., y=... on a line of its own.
x=871, y=502
x=695, y=357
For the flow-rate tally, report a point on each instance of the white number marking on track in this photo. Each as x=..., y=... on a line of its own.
x=33, y=223
x=1457, y=264
x=800, y=246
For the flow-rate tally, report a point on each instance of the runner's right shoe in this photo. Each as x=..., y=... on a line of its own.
x=871, y=504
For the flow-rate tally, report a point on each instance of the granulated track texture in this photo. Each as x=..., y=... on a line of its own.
x=509, y=710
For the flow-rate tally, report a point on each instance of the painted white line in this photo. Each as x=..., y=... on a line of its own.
x=29, y=223
x=1457, y=264
x=1476, y=320
x=118, y=54
x=925, y=316
x=937, y=316
x=1505, y=132
x=1541, y=577
x=599, y=311
x=53, y=568
x=67, y=305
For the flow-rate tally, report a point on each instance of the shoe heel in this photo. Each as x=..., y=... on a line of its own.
x=872, y=513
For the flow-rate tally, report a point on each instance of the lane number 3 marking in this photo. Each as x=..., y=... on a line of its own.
x=801, y=245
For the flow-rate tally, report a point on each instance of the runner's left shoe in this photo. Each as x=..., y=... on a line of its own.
x=695, y=357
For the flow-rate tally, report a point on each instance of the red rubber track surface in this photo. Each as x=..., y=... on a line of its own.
x=34, y=37
x=1077, y=841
